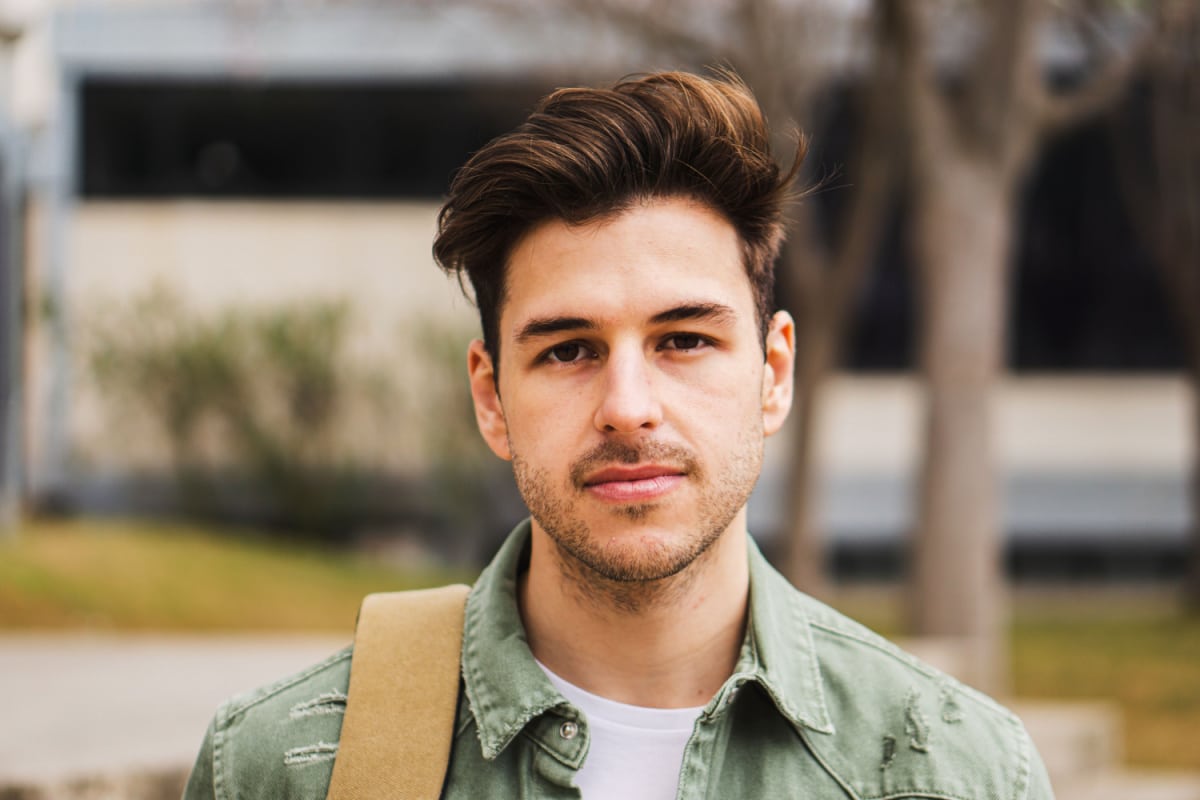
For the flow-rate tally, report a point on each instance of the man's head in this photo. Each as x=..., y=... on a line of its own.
x=587, y=154
x=621, y=244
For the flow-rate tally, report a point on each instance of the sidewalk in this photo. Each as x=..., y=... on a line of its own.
x=84, y=707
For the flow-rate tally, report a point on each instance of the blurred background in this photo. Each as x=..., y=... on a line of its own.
x=232, y=395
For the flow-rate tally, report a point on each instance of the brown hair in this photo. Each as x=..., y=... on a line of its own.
x=584, y=154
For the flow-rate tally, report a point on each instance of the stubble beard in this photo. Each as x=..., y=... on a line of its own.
x=628, y=575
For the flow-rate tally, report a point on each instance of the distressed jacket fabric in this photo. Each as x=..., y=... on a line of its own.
x=818, y=708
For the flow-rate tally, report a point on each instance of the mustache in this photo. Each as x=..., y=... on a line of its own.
x=612, y=452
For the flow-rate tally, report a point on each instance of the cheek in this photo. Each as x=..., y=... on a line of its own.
x=538, y=432
x=722, y=389
x=719, y=415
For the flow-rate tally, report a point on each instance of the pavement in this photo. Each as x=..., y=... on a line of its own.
x=81, y=707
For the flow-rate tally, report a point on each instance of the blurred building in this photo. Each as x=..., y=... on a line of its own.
x=252, y=155
x=256, y=152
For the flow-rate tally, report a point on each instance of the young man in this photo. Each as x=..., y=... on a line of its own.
x=629, y=641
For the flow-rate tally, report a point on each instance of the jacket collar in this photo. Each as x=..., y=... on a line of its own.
x=779, y=650
x=505, y=686
x=507, y=689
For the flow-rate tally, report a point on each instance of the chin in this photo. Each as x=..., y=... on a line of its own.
x=646, y=552
x=636, y=512
x=641, y=562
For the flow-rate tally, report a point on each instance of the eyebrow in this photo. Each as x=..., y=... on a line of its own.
x=697, y=312
x=545, y=326
x=538, y=327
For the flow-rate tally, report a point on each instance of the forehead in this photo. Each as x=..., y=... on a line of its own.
x=637, y=262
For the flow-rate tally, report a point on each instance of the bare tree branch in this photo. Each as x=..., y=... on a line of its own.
x=1003, y=77
x=1058, y=112
x=656, y=24
x=876, y=160
x=906, y=22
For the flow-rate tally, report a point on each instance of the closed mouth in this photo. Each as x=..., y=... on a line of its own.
x=631, y=474
x=634, y=484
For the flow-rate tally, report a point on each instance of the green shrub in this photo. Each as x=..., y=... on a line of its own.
x=246, y=398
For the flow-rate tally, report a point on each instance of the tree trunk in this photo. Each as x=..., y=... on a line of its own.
x=962, y=239
x=1191, y=587
x=804, y=557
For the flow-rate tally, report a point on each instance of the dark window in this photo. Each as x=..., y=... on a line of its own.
x=287, y=140
x=1085, y=294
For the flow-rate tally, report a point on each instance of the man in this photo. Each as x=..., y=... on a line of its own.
x=629, y=641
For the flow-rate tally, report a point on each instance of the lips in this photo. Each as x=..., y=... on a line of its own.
x=639, y=472
x=634, y=483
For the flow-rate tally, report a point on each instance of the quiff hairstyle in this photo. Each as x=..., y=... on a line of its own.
x=587, y=154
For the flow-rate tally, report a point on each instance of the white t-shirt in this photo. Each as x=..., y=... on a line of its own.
x=634, y=753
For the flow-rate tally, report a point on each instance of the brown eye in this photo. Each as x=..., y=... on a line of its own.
x=566, y=352
x=685, y=341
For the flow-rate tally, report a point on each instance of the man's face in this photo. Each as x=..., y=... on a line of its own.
x=634, y=394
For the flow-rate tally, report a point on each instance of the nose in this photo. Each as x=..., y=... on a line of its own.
x=629, y=401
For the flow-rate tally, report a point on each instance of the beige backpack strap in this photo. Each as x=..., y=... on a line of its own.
x=401, y=705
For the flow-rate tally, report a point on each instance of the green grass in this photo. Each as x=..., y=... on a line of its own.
x=146, y=576
x=1148, y=663
x=1145, y=656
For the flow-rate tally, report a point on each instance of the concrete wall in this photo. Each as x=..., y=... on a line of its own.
x=214, y=256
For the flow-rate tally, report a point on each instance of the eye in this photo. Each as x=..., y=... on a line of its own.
x=684, y=341
x=567, y=353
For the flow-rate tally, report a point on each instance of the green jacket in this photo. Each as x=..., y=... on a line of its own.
x=818, y=708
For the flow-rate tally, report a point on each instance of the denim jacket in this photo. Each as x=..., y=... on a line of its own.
x=818, y=708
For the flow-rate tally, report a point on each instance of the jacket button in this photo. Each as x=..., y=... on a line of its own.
x=568, y=730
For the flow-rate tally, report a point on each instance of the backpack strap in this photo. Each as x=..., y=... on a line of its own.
x=403, y=696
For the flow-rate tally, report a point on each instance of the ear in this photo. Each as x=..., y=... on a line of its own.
x=777, y=373
x=489, y=413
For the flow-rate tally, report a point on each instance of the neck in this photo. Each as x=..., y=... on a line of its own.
x=669, y=643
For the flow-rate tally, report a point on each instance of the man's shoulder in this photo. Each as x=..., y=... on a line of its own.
x=317, y=691
x=279, y=739
x=902, y=726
